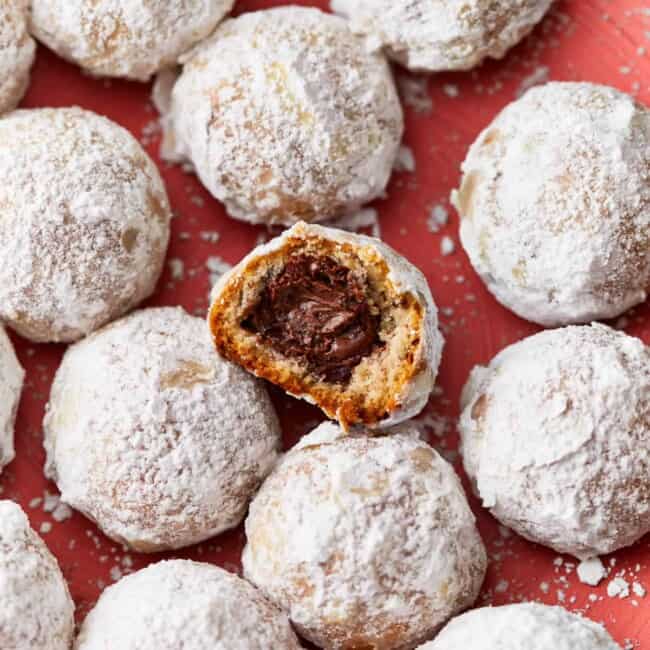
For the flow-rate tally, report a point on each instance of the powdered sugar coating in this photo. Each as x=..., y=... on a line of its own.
x=84, y=222
x=11, y=385
x=555, y=436
x=285, y=116
x=526, y=625
x=366, y=542
x=442, y=35
x=36, y=611
x=183, y=604
x=125, y=38
x=17, y=51
x=555, y=204
x=155, y=437
x=405, y=277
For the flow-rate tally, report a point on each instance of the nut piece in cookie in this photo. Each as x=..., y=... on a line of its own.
x=338, y=319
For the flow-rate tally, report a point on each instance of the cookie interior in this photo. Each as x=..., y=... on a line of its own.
x=323, y=320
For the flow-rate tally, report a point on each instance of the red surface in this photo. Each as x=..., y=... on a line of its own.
x=594, y=40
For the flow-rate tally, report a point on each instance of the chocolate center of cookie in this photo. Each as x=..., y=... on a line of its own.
x=316, y=311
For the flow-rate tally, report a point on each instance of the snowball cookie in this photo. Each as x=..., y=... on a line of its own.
x=286, y=116
x=555, y=204
x=366, y=542
x=11, y=385
x=183, y=604
x=442, y=35
x=556, y=437
x=125, y=38
x=84, y=223
x=153, y=436
x=17, y=51
x=338, y=319
x=527, y=625
x=36, y=611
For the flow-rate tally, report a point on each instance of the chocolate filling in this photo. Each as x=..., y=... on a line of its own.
x=316, y=311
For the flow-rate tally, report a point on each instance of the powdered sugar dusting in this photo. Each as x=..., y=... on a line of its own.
x=149, y=396
x=435, y=36
x=17, y=50
x=85, y=222
x=125, y=38
x=295, y=132
x=189, y=605
x=36, y=611
x=561, y=172
x=578, y=397
x=11, y=383
x=337, y=503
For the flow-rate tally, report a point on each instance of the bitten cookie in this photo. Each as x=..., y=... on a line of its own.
x=11, y=385
x=155, y=437
x=338, y=319
x=442, y=35
x=527, y=625
x=285, y=116
x=125, y=38
x=189, y=605
x=555, y=204
x=367, y=542
x=36, y=611
x=84, y=223
x=17, y=51
x=555, y=436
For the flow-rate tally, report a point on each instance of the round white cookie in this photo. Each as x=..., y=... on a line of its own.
x=555, y=204
x=183, y=604
x=11, y=385
x=84, y=223
x=36, y=611
x=286, y=116
x=366, y=542
x=155, y=437
x=125, y=38
x=555, y=434
x=17, y=52
x=526, y=625
x=442, y=35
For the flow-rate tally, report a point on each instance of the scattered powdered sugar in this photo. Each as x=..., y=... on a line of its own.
x=405, y=161
x=447, y=245
x=618, y=588
x=364, y=218
x=176, y=268
x=438, y=218
x=329, y=496
x=591, y=572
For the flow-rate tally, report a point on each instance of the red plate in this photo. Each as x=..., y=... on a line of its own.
x=595, y=40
